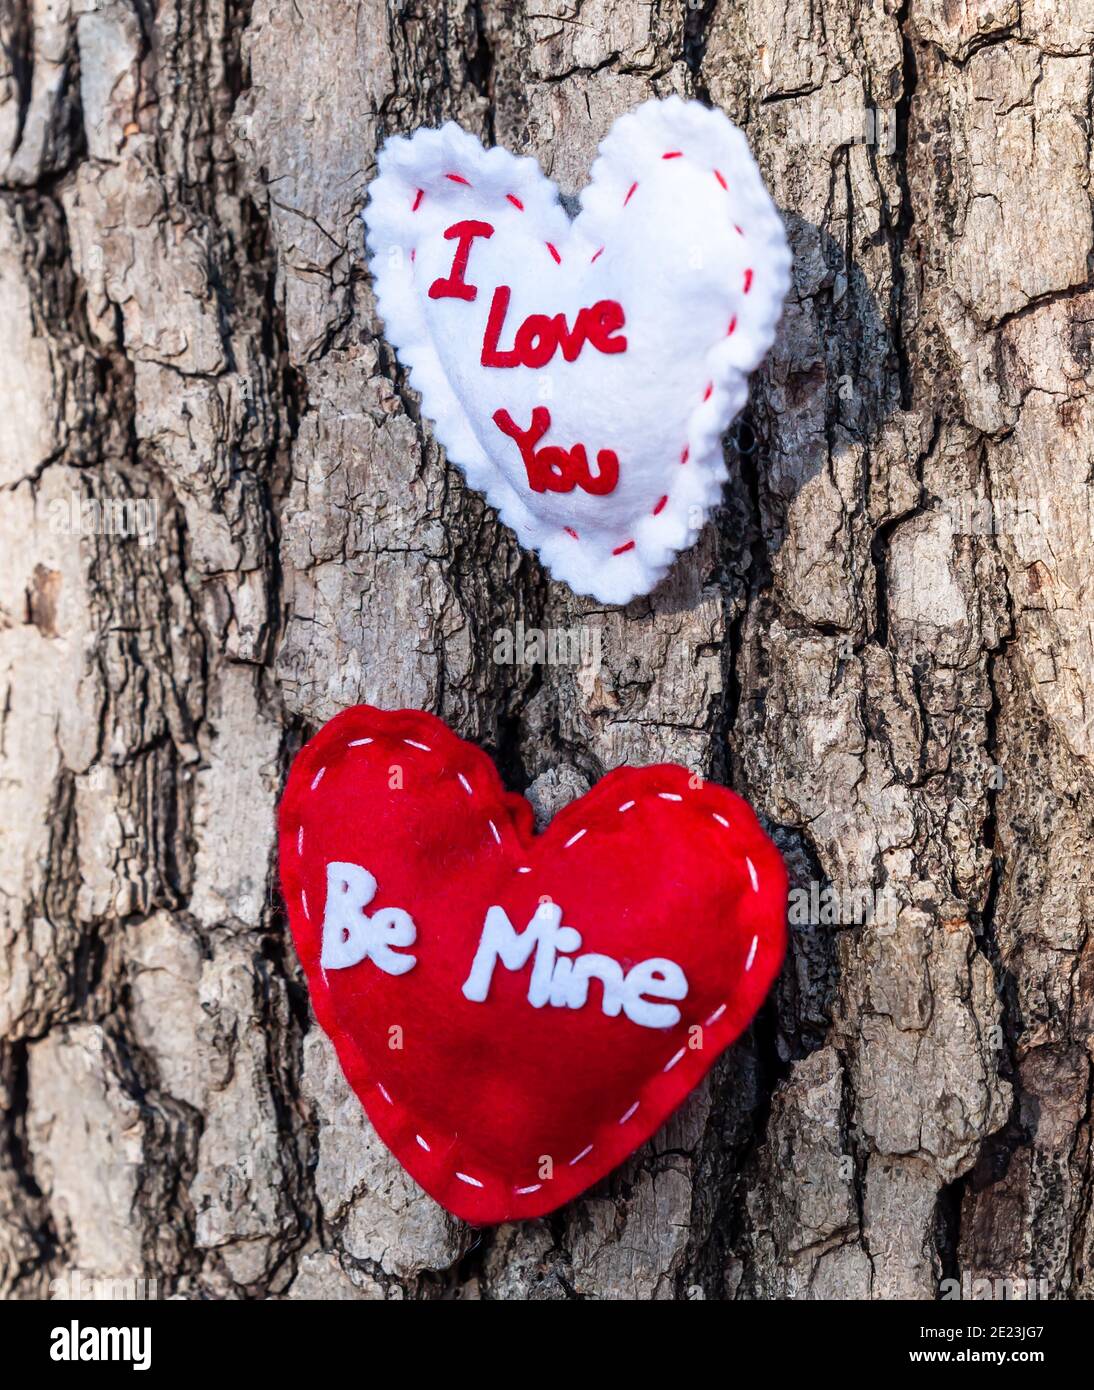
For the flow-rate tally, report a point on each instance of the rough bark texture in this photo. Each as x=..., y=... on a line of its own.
x=885, y=641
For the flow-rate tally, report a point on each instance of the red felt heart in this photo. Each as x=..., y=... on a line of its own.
x=427, y=914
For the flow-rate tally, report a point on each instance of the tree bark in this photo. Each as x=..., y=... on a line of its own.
x=224, y=519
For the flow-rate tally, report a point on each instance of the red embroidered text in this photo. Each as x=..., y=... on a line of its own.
x=453, y=285
x=554, y=469
x=539, y=337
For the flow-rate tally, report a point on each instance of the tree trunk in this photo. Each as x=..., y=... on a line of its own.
x=224, y=520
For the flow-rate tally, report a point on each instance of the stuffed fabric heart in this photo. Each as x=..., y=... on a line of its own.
x=582, y=373
x=518, y=1012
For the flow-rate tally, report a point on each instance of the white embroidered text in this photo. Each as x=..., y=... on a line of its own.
x=349, y=935
x=563, y=982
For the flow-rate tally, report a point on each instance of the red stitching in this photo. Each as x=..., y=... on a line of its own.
x=686, y=452
x=748, y=277
x=748, y=280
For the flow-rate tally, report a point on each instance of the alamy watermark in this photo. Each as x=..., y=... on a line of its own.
x=1008, y=1288
x=74, y=1342
x=816, y=904
x=552, y=646
x=830, y=127
x=127, y=518
x=79, y=1287
x=1007, y=516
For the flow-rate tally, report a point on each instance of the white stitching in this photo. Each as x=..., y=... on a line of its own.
x=300, y=840
x=626, y=806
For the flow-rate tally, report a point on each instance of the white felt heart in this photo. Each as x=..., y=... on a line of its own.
x=582, y=373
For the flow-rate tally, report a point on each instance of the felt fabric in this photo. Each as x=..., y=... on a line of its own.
x=582, y=373
x=506, y=1080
